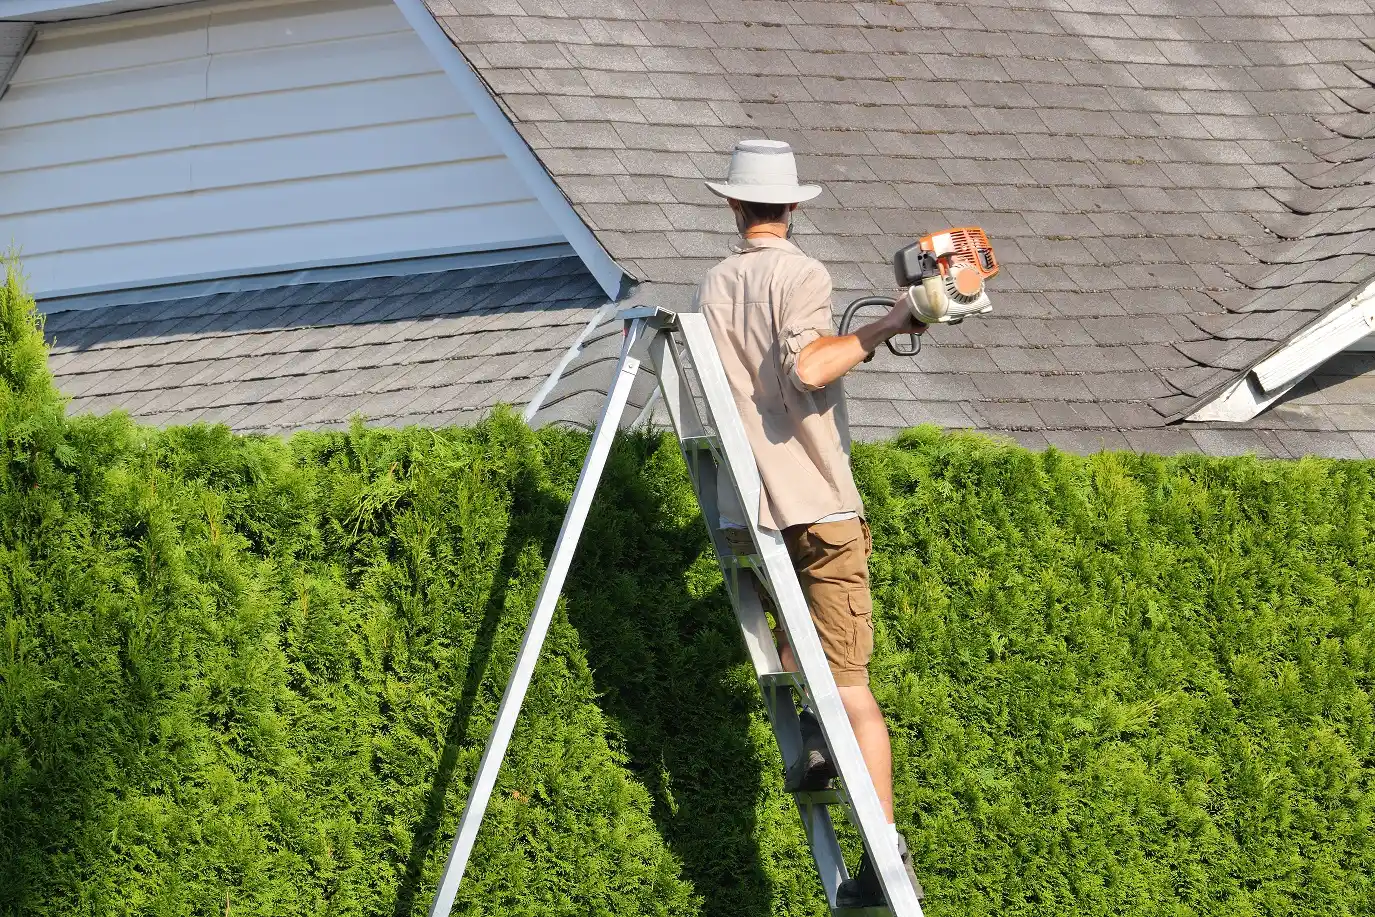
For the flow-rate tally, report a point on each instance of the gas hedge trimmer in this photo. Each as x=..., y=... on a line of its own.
x=941, y=277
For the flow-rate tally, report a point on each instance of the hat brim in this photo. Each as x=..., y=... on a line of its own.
x=765, y=194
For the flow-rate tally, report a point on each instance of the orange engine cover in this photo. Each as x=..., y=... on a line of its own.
x=956, y=250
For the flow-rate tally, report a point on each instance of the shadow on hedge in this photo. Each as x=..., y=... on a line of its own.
x=662, y=663
x=646, y=599
x=529, y=524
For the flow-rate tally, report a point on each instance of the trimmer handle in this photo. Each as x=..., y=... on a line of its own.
x=848, y=316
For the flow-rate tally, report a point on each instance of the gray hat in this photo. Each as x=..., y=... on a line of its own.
x=764, y=172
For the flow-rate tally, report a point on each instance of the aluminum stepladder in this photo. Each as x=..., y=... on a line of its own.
x=712, y=438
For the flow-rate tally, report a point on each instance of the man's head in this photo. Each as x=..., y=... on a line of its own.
x=749, y=214
x=761, y=185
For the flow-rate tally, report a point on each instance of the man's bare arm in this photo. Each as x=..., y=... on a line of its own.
x=828, y=358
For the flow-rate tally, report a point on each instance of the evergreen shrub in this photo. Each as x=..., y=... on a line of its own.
x=244, y=675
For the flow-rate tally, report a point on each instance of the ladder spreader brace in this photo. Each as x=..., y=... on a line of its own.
x=712, y=438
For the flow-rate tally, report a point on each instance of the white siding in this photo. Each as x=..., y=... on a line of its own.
x=232, y=139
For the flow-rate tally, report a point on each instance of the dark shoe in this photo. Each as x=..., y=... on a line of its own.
x=907, y=861
x=814, y=770
x=863, y=889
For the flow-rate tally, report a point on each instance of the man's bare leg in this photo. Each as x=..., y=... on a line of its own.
x=866, y=719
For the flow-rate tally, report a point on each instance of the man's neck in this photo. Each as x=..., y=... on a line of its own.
x=767, y=231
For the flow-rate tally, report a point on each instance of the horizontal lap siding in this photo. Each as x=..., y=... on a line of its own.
x=241, y=139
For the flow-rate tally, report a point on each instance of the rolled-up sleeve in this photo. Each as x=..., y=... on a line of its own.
x=805, y=316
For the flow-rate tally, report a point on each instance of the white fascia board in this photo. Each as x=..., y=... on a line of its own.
x=292, y=274
x=1342, y=328
x=598, y=261
x=1240, y=401
x=1323, y=339
x=54, y=10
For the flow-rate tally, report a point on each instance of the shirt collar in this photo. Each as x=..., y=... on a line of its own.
x=740, y=246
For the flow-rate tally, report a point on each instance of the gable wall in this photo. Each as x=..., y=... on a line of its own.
x=224, y=139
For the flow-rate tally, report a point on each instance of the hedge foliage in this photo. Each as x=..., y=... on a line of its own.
x=242, y=675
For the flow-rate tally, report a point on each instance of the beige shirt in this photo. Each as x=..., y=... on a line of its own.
x=764, y=304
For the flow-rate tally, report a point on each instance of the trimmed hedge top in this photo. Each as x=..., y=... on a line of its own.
x=243, y=675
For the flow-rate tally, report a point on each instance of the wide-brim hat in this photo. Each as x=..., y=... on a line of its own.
x=763, y=172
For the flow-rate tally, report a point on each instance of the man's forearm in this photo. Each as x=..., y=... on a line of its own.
x=828, y=358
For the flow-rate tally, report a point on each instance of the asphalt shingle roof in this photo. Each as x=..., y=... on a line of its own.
x=419, y=348
x=1172, y=186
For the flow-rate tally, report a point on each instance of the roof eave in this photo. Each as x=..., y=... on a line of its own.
x=610, y=275
x=1286, y=365
x=15, y=39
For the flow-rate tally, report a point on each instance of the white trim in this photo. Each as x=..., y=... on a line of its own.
x=275, y=269
x=1346, y=327
x=1314, y=345
x=598, y=261
x=1240, y=401
x=603, y=315
x=57, y=10
x=240, y=283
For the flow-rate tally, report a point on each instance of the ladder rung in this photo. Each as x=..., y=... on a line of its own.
x=781, y=680
x=700, y=443
x=862, y=912
x=744, y=562
x=831, y=797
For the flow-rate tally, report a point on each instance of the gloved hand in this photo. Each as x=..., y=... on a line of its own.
x=903, y=315
x=925, y=302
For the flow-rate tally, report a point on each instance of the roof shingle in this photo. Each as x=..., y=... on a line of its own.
x=1148, y=170
x=427, y=348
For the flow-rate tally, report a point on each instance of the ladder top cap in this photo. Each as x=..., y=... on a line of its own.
x=656, y=316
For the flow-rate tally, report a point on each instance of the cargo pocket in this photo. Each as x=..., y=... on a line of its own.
x=836, y=552
x=861, y=642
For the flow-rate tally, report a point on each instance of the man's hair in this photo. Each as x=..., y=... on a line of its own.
x=763, y=213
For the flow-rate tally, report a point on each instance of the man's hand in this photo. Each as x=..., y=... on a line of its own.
x=828, y=358
x=901, y=318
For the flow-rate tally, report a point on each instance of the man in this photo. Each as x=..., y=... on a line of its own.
x=769, y=310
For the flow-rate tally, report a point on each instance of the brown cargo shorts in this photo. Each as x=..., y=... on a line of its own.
x=832, y=564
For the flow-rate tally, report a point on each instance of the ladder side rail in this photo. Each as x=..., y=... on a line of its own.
x=682, y=413
x=781, y=710
x=865, y=807
x=720, y=404
x=743, y=585
x=703, y=471
x=538, y=627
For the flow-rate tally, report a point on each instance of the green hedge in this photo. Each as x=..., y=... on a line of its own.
x=242, y=675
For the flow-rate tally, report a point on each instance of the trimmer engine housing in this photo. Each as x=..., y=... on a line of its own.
x=943, y=275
